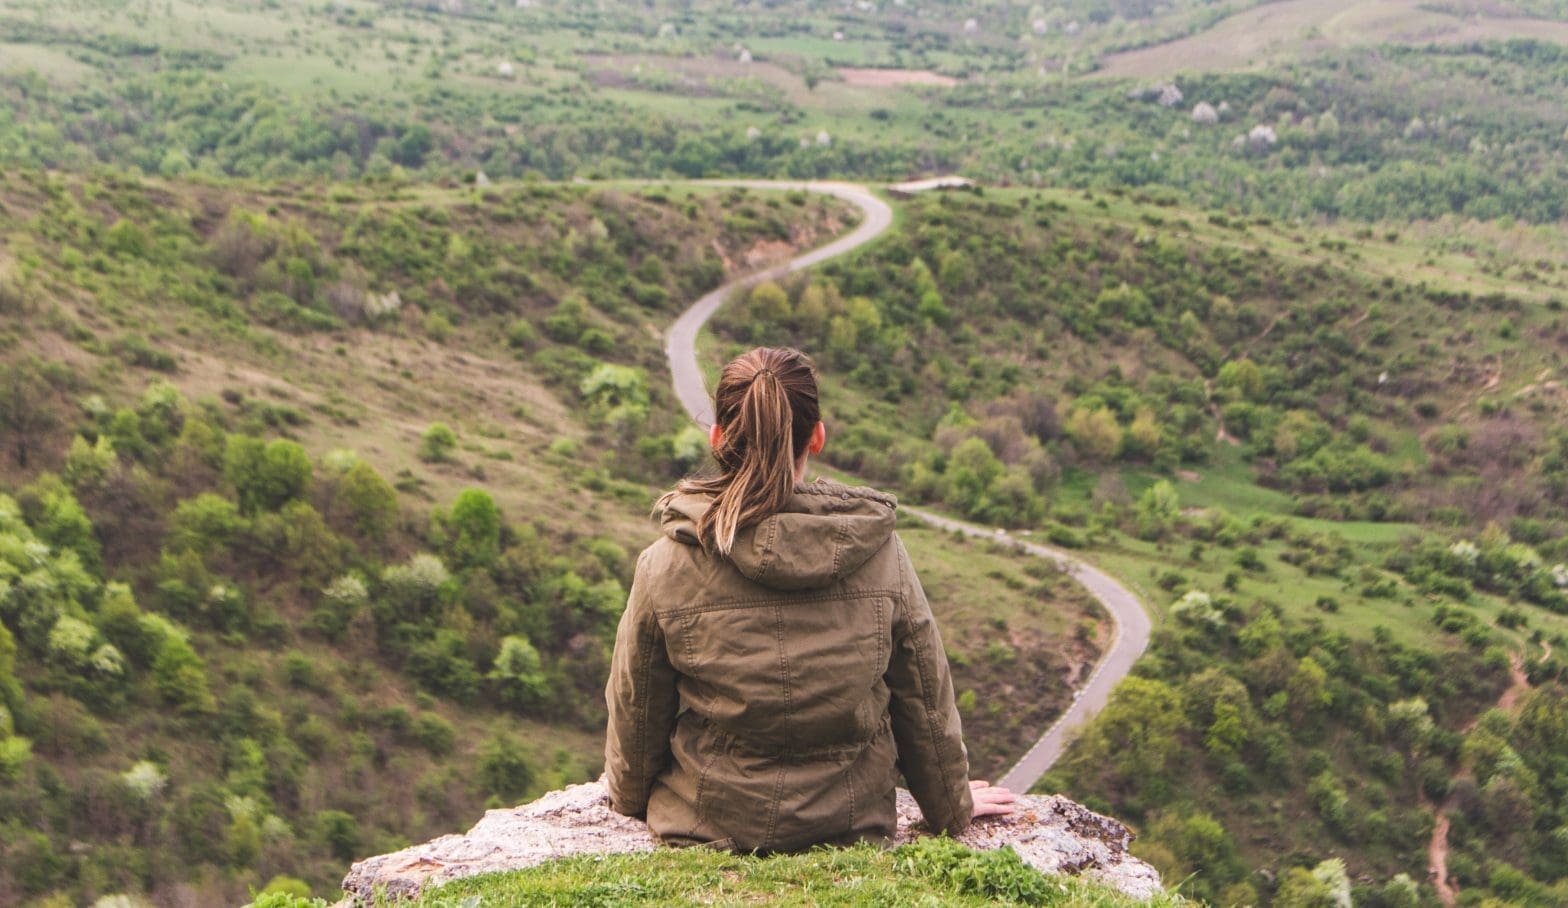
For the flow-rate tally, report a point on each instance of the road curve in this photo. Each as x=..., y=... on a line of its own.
x=1131, y=622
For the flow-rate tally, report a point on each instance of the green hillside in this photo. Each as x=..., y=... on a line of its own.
x=319, y=506
x=1402, y=111
x=1333, y=462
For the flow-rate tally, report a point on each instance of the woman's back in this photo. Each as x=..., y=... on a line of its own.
x=777, y=665
x=794, y=673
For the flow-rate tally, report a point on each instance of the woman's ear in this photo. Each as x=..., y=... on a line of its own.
x=715, y=436
x=819, y=438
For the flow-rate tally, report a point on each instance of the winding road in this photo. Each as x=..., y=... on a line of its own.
x=1132, y=624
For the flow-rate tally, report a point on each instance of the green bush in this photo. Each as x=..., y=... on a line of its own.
x=434, y=733
x=435, y=446
x=339, y=831
x=505, y=772
x=266, y=475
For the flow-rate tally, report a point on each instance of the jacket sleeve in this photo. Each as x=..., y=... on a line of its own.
x=926, y=726
x=641, y=700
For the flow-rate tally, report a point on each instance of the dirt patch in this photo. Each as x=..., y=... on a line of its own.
x=889, y=78
x=1188, y=476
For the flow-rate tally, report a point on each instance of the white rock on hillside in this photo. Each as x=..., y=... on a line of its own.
x=1052, y=834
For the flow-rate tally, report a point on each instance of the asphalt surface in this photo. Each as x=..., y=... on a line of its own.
x=1132, y=625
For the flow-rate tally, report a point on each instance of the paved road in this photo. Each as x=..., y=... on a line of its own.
x=1131, y=622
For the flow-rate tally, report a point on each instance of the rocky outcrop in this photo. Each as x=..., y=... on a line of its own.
x=1053, y=834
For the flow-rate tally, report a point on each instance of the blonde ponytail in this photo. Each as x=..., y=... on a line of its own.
x=766, y=408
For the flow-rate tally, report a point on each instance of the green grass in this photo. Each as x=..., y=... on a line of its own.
x=931, y=872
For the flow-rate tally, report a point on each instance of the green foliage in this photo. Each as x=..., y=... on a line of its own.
x=58, y=519
x=266, y=475
x=999, y=876
x=437, y=442
x=517, y=673
x=617, y=396
x=505, y=772
x=204, y=524
x=340, y=832
x=475, y=524
x=367, y=502
x=88, y=465
x=178, y=672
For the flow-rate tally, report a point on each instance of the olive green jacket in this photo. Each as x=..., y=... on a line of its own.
x=768, y=701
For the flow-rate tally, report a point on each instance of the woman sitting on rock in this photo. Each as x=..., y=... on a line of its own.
x=778, y=666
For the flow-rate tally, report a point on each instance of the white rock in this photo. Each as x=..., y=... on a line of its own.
x=1051, y=834
x=971, y=27
x=823, y=139
x=505, y=70
x=752, y=133
x=1204, y=112
x=744, y=56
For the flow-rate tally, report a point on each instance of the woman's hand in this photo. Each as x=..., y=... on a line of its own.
x=991, y=801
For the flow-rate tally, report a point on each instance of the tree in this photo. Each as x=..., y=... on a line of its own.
x=970, y=471
x=1134, y=739
x=340, y=832
x=518, y=674
x=504, y=771
x=1243, y=377
x=1158, y=509
x=1308, y=688
x=476, y=521
x=617, y=396
x=1095, y=433
x=367, y=501
x=203, y=524
x=24, y=408
x=768, y=304
x=265, y=476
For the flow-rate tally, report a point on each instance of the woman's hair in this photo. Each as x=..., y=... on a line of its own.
x=766, y=408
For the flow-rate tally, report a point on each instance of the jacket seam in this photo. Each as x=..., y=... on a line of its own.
x=702, y=795
x=838, y=489
x=765, y=601
x=640, y=735
x=849, y=783
x=773, y=816
x=778, y=633
x=769, y=552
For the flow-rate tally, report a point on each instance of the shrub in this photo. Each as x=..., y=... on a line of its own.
x=442, y=666
x=178, y=673
x=476, y=522
x=517, y=672
x=434, y=733
x=435, y=446
x=203, y=524
x=15, y=754
x=504, y=771
x=339, y=831
x=265, y=475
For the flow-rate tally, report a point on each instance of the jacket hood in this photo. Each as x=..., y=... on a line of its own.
x=826, y=531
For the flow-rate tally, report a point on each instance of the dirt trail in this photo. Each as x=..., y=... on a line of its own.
x=1132, y=623
x=1437, y=848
